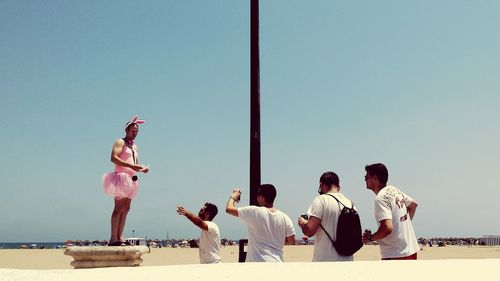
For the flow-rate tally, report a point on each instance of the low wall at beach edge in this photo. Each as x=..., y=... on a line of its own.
x=345, y=271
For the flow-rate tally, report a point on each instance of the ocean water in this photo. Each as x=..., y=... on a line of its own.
x=17, y=245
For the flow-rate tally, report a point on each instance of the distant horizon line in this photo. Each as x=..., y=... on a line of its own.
x=230, y=239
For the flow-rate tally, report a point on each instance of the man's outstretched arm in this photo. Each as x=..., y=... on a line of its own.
x=230, y=206
x=193, y=218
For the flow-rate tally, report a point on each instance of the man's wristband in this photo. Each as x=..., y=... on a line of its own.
x=370, y=238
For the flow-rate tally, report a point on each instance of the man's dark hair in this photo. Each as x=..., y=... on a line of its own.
x=379, y=170
x=329, y=178
x=211, y=209
x=268, y=191
x=128, y=125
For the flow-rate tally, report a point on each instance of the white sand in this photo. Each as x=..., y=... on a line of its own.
x=55, y=258
x=446, y=263
x=422, y=270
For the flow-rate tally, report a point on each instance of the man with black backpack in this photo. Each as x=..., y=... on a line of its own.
x=333, y=220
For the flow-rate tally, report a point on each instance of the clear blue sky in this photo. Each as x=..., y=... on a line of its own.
x=412, y=84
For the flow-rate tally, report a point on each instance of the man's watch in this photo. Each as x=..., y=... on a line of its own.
x=370, y=238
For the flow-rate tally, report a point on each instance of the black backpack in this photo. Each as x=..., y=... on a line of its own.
x=349, y=237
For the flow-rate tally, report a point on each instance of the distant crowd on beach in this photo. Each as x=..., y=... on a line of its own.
x=190, y=242
x=442, y=242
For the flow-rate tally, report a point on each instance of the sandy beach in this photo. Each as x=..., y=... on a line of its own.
x=446, y=263
x=55, y=258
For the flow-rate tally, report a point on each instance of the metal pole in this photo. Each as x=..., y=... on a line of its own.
x=254, y=102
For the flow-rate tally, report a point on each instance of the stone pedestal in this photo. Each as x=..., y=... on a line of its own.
x=102, y=256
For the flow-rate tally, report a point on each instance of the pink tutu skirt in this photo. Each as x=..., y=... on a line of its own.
x=120, y=185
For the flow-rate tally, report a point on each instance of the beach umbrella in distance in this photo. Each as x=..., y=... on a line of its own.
x=23, y=246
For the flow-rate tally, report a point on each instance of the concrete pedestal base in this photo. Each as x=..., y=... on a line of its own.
x=102, y=256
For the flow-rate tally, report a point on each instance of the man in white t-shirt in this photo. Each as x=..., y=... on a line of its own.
x=394, y=213
x=210, y=235
x=268, y=228
x=324, y=211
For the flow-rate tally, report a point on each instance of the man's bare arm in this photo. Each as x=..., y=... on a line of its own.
x=383, y=231
x=412, y=208
x=290, y=240
x=310, y=226
x=230, y=207
x=193, y=218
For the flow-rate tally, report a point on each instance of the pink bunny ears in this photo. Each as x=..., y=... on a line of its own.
x=134, y=121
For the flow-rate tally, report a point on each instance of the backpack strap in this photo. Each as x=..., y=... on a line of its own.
x=331, y=240
x=339, y=203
